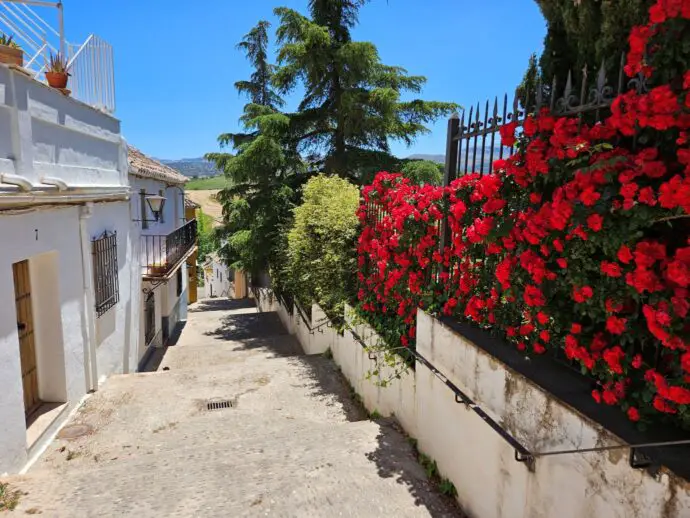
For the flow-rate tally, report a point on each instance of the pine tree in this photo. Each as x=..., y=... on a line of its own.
x=265, y=170
x=352, y=102
x=586, y=33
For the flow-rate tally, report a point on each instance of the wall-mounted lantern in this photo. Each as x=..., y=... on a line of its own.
x=156, y=204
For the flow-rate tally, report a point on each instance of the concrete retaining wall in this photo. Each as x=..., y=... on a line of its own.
x=489, y=481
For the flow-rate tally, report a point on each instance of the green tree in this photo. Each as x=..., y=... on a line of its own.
x=352, y=104
x=587, y=32
x=423, y=171
x=321, y=255
x=265, y=171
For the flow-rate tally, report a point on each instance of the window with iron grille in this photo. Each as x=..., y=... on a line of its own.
x=105, y=280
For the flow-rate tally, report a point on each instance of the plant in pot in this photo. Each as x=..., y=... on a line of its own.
x=57, y=71
x=10, y=52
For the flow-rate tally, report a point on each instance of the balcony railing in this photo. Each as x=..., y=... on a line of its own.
x=160, y=255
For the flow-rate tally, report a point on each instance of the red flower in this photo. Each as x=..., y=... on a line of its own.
x=595, y=222
x=637, y=361
x=507, y=132
x=542, y=318
x=596, y=395
x=582, y=294
x=615, y=325
x=539, y=348
x=633, y=414
x=613, y=359
x=589, y=196
x=533, y=296
x=679, y=395
x=625, y=255
x=663, y=406
x=576, y=329
x=609, y=397
x=562, y=262
x=545, y=336
x=610, y=269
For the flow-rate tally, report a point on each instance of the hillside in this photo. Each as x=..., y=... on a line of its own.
x=192, y=167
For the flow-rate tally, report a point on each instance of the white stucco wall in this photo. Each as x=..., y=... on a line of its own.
x=118, y=329
x=481, y=465
x=568, y=486
x=217, y=280
x=173, y=209
x=44, y=133
x=50, y=240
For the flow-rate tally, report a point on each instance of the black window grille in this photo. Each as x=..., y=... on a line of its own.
x=179, y=282
x=149, y=318
x=105, y=272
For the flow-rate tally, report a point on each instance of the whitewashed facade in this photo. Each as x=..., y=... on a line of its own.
x=218, y=278
x=70, y=312
x=167, y=241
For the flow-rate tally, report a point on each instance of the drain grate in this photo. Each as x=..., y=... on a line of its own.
x=218, y=404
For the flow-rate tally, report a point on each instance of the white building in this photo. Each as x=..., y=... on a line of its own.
x=218, y=278
x=69, y=285
x=167, y=241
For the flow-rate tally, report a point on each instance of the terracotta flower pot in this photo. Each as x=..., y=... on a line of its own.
x=11, y=56
x=57, y=79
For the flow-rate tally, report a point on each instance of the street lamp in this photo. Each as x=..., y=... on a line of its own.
x=156, y=203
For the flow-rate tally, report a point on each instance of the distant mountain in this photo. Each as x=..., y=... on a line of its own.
x=433, y=158
x=193, y=167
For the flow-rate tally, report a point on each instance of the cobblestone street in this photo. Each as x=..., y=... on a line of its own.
x=291, y=441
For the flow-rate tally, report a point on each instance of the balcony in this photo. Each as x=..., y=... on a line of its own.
x=161, y=256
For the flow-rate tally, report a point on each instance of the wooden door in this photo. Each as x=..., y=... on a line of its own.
x=25, y=326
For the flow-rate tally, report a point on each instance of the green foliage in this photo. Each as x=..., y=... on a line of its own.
x=586, y=32
x=352, y=103
x=423, y=172
x=321, y=244
x=8, y=41
x=204, y=184
x=9, y=499
x=206, y=238
x=447, y=488
x=57, y=64
x=264, y=175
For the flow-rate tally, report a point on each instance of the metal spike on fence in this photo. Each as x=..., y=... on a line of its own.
x=552, y=103
x=461, y=132
x=620, y=74
x=539, y=96
x=485, y=127
x=477, y=125
x=494, y=125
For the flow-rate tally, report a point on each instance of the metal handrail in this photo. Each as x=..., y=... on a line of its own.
x=93, y=74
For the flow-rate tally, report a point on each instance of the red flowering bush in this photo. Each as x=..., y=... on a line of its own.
x=579, y=242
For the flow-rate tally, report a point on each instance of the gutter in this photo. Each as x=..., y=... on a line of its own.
x=12, y=200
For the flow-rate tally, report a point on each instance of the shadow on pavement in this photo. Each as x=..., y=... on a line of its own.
x=221, y=305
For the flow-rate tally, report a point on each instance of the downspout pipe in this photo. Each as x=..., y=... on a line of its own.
x=19, y=181
x=55, y=182
x=89, y=327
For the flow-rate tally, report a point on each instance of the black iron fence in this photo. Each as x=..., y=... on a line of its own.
x=473, y=142
x=160, y=254
x=105, y=272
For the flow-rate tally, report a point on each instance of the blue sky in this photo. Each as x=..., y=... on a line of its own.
x=176, y=60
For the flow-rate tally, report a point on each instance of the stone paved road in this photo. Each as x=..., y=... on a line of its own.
x=292, y=444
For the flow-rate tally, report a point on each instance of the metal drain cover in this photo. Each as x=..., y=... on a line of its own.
x=74, y=431
x=218, y=404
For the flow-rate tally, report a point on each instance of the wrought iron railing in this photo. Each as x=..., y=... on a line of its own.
x=149, y=318
x=161, y=254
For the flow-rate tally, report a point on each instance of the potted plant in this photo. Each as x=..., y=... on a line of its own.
x=57, y=71
x=10, y=52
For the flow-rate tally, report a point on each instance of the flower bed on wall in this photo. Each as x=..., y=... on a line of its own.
x=579, y=243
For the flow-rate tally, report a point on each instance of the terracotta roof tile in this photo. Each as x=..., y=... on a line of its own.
x=146, y=167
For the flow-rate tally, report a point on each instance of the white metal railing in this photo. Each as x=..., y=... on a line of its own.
x=93, y=74
x=92, y=78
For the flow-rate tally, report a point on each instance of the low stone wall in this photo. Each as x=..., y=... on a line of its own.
x=481, y=464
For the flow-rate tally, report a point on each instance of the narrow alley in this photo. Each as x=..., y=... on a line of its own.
x=285, y=437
